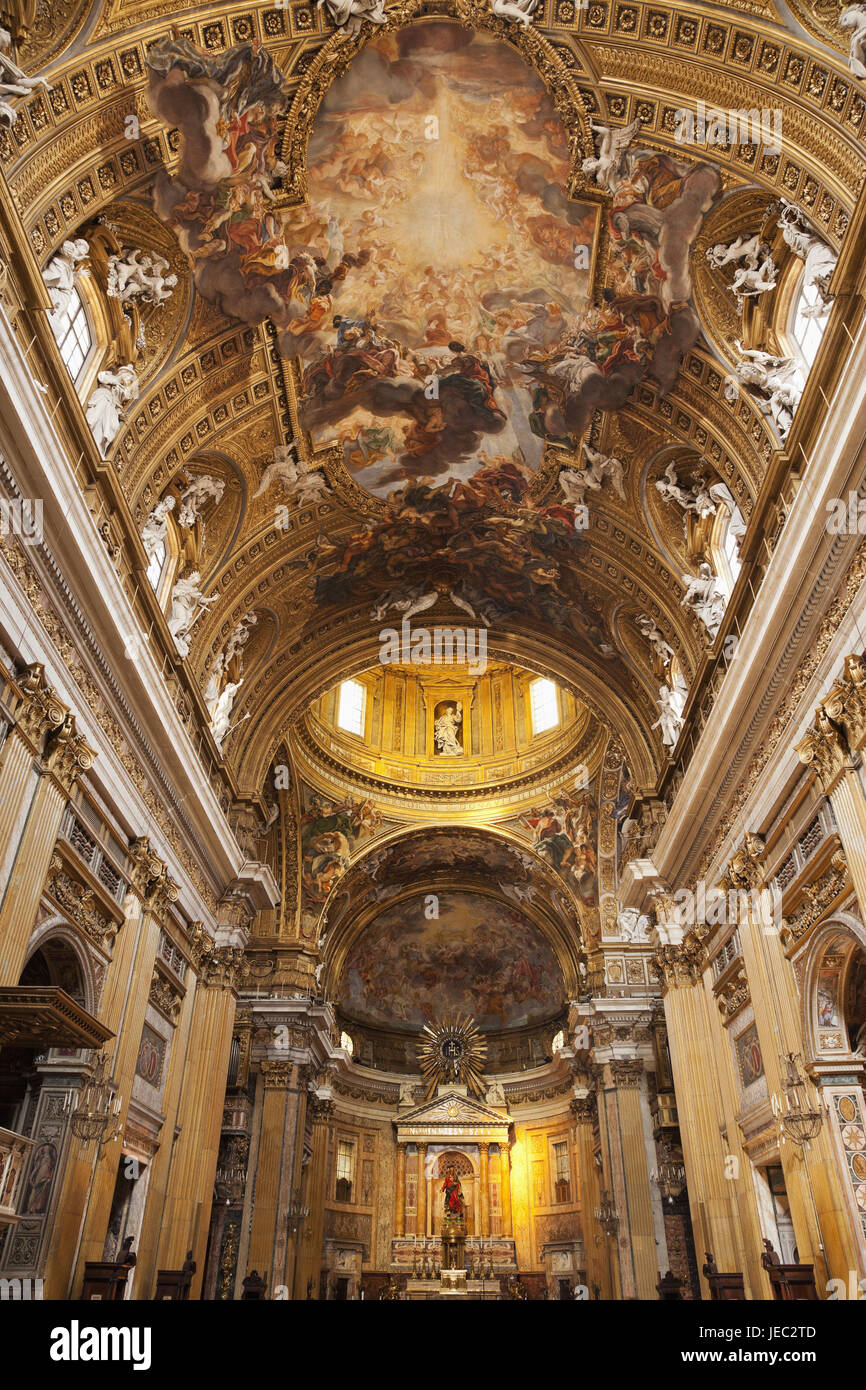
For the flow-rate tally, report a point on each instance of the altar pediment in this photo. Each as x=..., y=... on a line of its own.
x=453, y=1115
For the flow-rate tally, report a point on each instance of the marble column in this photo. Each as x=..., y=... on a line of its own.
x=64, y=757
x=505, y=1187
x=721, y=1199
x=812, y=1179
x=421, y=1195
x=189, y=1192
x=311, y=1237
x=484, y=1186
x=400, y=1192
x=584, y=1108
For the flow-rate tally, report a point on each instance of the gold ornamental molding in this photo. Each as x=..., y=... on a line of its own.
x=681, y=966
x=36, y=707
x=818, y=901
x=151, y=881
x=839, y=727
x=743, y=871
x=66, y=754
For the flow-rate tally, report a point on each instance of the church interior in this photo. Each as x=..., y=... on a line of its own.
x=432, y=682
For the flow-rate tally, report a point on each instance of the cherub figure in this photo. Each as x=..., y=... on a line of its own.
x=614, y=142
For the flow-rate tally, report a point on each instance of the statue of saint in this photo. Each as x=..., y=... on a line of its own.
x=455, y=1206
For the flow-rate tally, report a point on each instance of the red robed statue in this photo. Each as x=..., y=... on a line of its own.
x=454, y=1204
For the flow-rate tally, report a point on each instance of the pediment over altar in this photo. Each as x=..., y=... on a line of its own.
x=452, y=1115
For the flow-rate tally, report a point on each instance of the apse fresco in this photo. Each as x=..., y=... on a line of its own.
x=478, y=956
x=436, y=287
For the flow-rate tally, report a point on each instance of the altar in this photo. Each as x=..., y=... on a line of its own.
x=453, y=1196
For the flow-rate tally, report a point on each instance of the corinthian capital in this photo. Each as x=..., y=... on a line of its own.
x=219, y=966
x=67, y=754
x=681, y=965
x=36, y=706
x=585, y=1108
x=825, y=746
x=151, y=880
x=744, y=866
x=626, y=1074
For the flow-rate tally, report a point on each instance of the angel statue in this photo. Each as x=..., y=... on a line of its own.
x=222, y=714
x=603, y=466
x=515, y=11
x=655, y=637
x=187, y=604
x=60, y=272
x=154, y=529
x=105, y=407
x=705, y=596
x=14, y=82
x=778, y=377
x=286, y=468
x=819, y=258
x=853, y=18
x=614, y=143
x=137, y=273
x=669, y=720
x=446, y=729
x=758, y=271
x=349, y=15
x=202, y=489
x=744, y=248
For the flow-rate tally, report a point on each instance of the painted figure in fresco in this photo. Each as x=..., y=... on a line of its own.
x=39, y=1179
x=454, y=1203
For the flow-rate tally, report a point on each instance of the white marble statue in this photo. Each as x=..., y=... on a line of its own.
x=633, y=925
x=115, y=391
x=819, y=258
x=722, y=495
x=311, y=488
x=758, y=272
x=286, y=468
x=669, y=721
x=853, y=18
x=407, y=604
x=603, y=466
x=239, y=636
x=655, y=637
x=778, y=377
x=154, y=529
x=187, y=604
x=14, y=82
x=495, y=1095
x=138, y=274
x=519, y=892
x=349, y=15
x=614, y=142
x=445, y=731
x=60, y=272
x=221, y=718
x=697, y=498
x=515, y=11
x=705, y=596
x=202, y=489
x=574, y=483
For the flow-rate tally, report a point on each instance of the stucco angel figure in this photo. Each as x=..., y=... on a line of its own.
x=14, y=82
x=515, y=11
x=779, y=377
x=705, y=596
x=311, y=488
x=669, y=720
x=633, y=925
x=697, y=498
x=446, y=729
x=744, y=248
x=187, y=604
x=286, y=468
x=603, y=466
x=138, y=274
x=154, y=529
x=202, y=489
x=819, y=258
x=655, y=637
x=614, y=143
x=758, y=272
x=349, y=15
x=105, y=408
x=60, y=272
x=222, y=714
x=853, y=18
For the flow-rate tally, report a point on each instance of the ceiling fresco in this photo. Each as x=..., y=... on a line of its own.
x=437, y=287
x=477, y=955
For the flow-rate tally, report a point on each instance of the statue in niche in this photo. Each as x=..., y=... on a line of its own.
x=60, y=272
x=14, y=82
x=453, y=1200
x=446, y=729
x=115, y=391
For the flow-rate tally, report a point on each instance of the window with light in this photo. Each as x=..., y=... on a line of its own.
x=350, y=711
x=544, y=706
x=72, y=333
x=345, y=1166
x=806, y=330
x=156, y=567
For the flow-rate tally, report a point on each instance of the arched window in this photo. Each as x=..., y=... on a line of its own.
x=806, y=326
x=71, y=328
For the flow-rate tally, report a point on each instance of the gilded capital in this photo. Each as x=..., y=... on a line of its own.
x=744, y=867
x=66, y=753
x=626, y=1074
x=681, y=965
x=320, y=1110
x=825, y=746
x=585, y=1108
x=219, y=966
x=278, y=1075
x=150, y=880
x=36, y=706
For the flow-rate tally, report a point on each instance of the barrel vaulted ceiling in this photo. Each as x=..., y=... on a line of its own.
x=460, y=492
